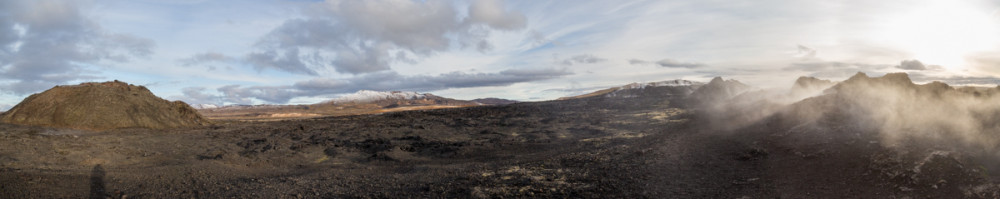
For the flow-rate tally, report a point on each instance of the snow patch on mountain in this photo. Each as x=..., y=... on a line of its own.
x=365, y=96
x=677, y=82
x=627, y=91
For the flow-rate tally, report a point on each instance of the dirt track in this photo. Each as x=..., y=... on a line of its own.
x=592, y=148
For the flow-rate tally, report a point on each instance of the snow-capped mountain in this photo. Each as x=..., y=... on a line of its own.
x=396, y=98
x=366, y=96
x=637, y=89
x=677, y=82
x=360, y=102
x=641, y=89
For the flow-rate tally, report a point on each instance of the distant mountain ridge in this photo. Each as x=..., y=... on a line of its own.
x=718, y=90
x=364, y=96
x=360, y=102
x=384, y=98
x=396, y=98
x=638, y=89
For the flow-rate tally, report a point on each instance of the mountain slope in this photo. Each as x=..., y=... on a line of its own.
x=718, y=90
x=671, y=87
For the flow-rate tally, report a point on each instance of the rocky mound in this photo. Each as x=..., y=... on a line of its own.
x=718, y=90
x=809, y=86
x=102, y=106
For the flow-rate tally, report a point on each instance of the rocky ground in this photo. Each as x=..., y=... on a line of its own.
x=581, y=148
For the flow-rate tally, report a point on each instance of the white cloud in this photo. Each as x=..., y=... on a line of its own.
x=206, y=57
x=583, y=59
x=266, y=47
x=668, y=63
x=911, y=65
x=361, y=34
x=45, y=43
x=382, y=81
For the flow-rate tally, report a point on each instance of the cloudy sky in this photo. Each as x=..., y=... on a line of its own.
x=296, y=52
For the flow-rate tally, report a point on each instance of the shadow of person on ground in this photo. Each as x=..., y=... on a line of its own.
x=97, y=190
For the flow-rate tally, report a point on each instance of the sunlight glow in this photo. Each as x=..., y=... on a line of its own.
x=943, y=32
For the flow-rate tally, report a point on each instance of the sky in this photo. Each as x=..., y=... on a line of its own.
x=303, y=52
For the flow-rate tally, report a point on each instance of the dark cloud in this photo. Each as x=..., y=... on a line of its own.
x=45, y=43
x=289, y=61
x=206, y=57
x=911, y=65
x=383, y=81
x=120, y=47
x=197, y=95
x=579, y=90
x=638, y=62
x=356, y=37
x=669, y=63
x=242, y=95
x=583, y=59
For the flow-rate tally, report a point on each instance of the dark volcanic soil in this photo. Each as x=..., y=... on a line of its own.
x=582, y=148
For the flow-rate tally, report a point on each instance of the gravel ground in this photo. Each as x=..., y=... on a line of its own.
x=583, y=148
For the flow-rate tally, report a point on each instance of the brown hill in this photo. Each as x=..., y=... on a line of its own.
x=101, y=106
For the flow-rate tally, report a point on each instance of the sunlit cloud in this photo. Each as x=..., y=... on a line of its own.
x=228, y=52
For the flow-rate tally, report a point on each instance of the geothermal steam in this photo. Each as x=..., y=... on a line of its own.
x=899, y=110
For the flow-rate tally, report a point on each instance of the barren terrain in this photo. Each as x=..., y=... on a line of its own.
x=652, y=146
